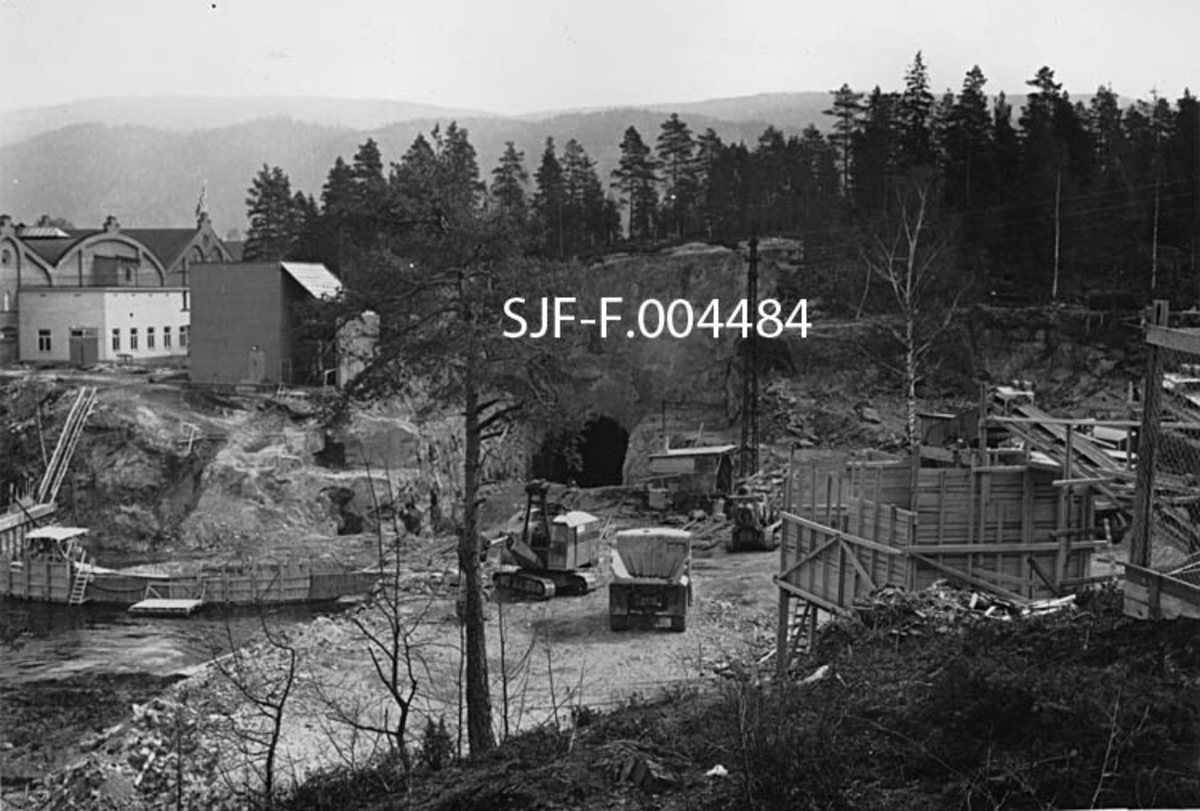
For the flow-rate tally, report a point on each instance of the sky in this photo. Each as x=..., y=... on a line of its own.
x=522, y=56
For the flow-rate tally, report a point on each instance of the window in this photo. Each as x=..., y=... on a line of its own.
x=149, y=337
x=166, y=337
x=116, y=340
x=185, y=299
x=43, y=340
x=7, y=301
x=5, y=257
x=183, y=336
x=128, y=275
x=133, y=338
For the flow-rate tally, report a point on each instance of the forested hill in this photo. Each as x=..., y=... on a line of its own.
x=152, y=177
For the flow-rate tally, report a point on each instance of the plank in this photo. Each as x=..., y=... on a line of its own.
x=158, y=606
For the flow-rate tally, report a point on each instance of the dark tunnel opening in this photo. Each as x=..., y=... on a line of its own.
x=593, y=457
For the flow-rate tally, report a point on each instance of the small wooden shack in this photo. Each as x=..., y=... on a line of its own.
x=705, y=471
x=1017, y=531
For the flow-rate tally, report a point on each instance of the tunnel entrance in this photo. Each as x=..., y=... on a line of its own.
x=592, y=457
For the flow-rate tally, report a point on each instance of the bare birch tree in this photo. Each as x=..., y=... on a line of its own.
x=909, y=256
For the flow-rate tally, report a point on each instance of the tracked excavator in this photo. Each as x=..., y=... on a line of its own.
x=554, y=553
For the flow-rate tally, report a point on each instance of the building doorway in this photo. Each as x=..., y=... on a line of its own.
x=256, y=366
x=84, y=346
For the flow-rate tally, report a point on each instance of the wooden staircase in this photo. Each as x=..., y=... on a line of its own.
x=56, y=470
x=80, y=581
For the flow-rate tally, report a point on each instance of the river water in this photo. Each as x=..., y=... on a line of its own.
x=45, y=642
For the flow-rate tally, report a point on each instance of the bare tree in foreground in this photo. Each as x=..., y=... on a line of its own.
x=391, y=627
x=443, y=303
x=264, y=681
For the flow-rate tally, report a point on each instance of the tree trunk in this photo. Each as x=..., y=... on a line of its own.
x=910, y=381
x=480, y=737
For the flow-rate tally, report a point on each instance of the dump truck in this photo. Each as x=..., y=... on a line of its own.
x=554, y=553
x=651, y=584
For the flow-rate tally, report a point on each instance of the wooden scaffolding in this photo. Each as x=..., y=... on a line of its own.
x=1014, y=530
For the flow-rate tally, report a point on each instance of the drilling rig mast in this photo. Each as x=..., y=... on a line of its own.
x=749, y=451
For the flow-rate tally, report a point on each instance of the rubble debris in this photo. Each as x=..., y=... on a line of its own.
x=820, y=674
x=941, y=606
x=869, y=414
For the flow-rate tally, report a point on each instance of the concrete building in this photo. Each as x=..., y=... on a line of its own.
x=94, y=295
x=243, y=322
x=85, y=325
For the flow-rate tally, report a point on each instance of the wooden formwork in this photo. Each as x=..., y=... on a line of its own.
x=16, y=523
x=1012, y=530
x=31, y=578
x=283, y=583
x=25, y=577
x=1153, y=595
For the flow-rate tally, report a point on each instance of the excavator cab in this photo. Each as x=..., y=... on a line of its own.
x=755, y=521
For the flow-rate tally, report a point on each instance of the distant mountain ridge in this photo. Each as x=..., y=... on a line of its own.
x=183, y=113
x=143, y=161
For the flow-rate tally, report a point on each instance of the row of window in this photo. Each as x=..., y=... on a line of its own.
x=45, y=341
x=150, y=338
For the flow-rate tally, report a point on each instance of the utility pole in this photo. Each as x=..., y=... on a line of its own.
x=749, y=458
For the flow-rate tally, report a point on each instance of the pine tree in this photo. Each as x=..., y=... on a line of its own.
x=306, y=216
x=708, y=152
x=875, y=147
x=509, y=180
x=460, y=186
x=338, y=195
x=438, y=176
x=770, y=182
x=1183, y=167
x=728, y=192
x=821, y=189
x=370, y=185
x=914, y=117
x=575, y=167
x=584, y=198
x=271, y=210
x=1104, y=120
x=549, y=201
x=847, y=109
x=967, y=141
x=335, y=229
x=636, y=179
x=1056, y=161
x=676, y=150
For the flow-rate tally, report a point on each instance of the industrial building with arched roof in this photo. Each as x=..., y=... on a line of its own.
x=108, y=294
